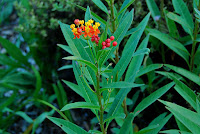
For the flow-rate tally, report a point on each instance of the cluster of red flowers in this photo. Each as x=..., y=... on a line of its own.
x=95, y=39
x=88, y=30
x=107, y=42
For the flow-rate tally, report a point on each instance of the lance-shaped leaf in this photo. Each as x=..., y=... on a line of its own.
x=181, y=21
x=77, y=46
x=127, y=125
x=74, y=87
x=66, y=48
x=125, y=5
x=129, y=49
x=173, y=31
x=174, y=132
x=174, y=45
x=154, y=10
x=147, y=69
x=92, y=66
x=152, y=98
x=189, y=118
x=67, y=126
x=185, y=92
x=100, y=4
x=88, y=15
x=182, y=9
x=14, y=51
x=119, y=35
x=121, y=84
x=191, y=76
x=74, y=105
x=120, y=115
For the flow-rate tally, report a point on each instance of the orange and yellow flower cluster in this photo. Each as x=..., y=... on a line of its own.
x=87, y=30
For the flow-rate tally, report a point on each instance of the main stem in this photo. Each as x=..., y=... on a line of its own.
x=194, y=43
x=99, y=99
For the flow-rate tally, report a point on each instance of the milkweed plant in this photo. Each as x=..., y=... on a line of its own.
x=106, y=62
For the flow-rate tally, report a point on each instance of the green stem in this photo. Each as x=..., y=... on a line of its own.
x=125, y=107
x=112, y=16
x=91, y=50
x=100, y=103
x=194, y=42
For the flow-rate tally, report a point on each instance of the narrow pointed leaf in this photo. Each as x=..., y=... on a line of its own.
x=191, y=76
x=174, y=45
x=122, y=84
x=182, y=9
x=127, y=125
x=129, y=49
x=125, y=5
x=152, y=98
x=100, y=4
x=67, y=126
x=79, y=105
x=147, y=69
x=92, y=66
x=14, y=51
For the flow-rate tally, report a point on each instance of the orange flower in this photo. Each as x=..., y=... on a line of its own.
x=76, y=32
x=88, y=30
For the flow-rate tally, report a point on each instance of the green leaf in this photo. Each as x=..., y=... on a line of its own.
x=152, y=98
x=92, y=66
x=40, y=119
x=174, y=45
x=147, y=129
x=38, y=82
x=101, y=5
x=65, y=67
x=5, y=60
x=160, y=125
x=181, y=21
x=76, y=45
x=190, y=115
x=24, y=116
x=119, y=35
x=129, y=49
x=121, y=84
x=21, y=78
x=148, y=68
x=88, y=95
x=67, y=126
x=153, y=9
x=142, y=52
x=120, y=115
x=181, y=126
x=136, y=62
x=125, y=5
x=74, y=87
x=66, y=48
x=53, y=107
x=185, y=92
x=173, y=31
x=80, y=105
x=88, y=15
x=125, y=129
x=182, y=9
x=174, y=132
x=189, y=118
x=8, y=101
x=191, y=76
x=14, y=51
